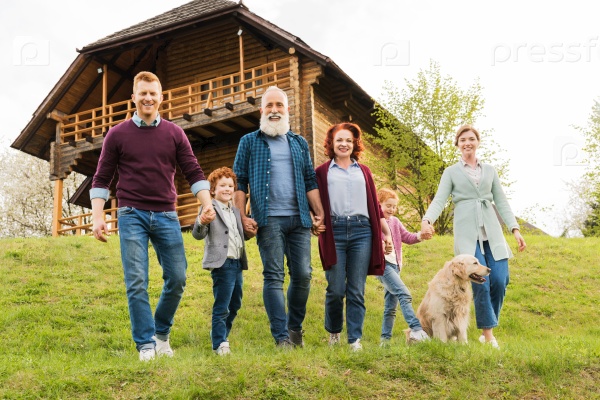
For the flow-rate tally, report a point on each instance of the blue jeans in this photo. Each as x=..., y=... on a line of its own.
x=489, y=296
x=285, y=236
x=227, y=291
x=347, y=278
x=162, y=229
x=396, y=292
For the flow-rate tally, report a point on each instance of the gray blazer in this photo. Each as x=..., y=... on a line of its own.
x=216, y=235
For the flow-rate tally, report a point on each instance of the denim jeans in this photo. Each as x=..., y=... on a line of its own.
x=347, y=278
x=227, y=291
x=489, y=296
x=396, y=292
x=162, y=229
x=285, y=236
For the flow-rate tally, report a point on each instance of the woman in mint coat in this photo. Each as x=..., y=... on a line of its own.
x=475, y=188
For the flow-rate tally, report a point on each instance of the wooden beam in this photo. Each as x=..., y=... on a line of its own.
x=250, y=118
x=233, y=125
x=229, y=106
x=208, y=112
x=129, y=72
x=57, y=206
x=187, y=117
x=91, y=88
x=56, y=115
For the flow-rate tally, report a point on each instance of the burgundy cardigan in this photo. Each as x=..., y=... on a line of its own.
x=326, y=240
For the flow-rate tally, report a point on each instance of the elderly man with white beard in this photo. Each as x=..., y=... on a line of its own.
x=274, y=164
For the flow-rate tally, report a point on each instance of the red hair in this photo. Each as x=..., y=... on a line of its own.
x=357, y=143
x=223, y=172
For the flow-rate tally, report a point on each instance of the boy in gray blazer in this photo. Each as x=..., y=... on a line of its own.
x=224, y=256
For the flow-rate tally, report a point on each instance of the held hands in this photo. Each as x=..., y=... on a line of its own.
x=318, y=225
x=427, y=233
x=387, y=244
x=427, y=230
x=250, y=227
x=207, y=216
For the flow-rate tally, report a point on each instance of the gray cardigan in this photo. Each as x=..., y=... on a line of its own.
x=217, y=239
x=473, y=209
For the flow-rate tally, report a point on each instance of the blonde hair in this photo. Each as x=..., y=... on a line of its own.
x=147, y=77
x=466, y=128
x=385, y=194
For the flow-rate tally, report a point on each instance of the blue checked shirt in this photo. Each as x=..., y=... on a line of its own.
x=252, y=167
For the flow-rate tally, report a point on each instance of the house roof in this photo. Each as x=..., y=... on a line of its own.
x=36, y=137
x=175, y=18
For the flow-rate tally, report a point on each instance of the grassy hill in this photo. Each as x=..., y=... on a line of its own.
x=65, y=332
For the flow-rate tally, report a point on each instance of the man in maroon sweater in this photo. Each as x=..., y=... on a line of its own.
x=145, y=151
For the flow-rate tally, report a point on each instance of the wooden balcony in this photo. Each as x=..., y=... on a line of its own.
x=82, y=224
x=181, y=102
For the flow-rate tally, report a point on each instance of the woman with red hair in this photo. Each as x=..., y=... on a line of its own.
x=351, y=246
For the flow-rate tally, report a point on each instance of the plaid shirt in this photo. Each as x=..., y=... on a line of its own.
x=252, y=167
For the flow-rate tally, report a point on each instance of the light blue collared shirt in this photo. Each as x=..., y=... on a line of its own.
x=140, y=122
x=347, y=190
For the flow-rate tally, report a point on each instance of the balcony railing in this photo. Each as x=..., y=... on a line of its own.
x=191, y=99
x=82, y=224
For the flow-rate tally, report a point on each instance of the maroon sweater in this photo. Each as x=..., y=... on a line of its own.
x=146, y=160
x=326, y=240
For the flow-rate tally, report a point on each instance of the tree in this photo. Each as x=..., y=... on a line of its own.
x=591, y=178
x=415, y=129
x=26, y=195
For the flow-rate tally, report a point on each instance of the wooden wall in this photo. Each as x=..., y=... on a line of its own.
x=212, y=51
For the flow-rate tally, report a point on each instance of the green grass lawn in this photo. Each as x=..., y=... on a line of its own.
x=65, y=332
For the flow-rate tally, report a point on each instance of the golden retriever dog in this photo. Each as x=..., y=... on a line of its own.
x=445, y=310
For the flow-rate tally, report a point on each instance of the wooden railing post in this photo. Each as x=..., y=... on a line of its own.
x=57, y=206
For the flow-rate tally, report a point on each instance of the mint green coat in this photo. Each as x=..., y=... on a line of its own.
x=473, y=209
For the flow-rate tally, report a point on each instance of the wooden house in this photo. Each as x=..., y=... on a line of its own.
x=214, y=59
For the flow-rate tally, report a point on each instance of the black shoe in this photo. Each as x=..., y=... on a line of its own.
x=296, y=338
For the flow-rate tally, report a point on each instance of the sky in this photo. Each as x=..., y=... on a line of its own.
x=537, y=61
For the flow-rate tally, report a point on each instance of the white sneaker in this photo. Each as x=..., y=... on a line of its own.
x=356, y=346
x=385, y=342
x=163, y=348
x=223, y=349
x=493, y=342
x=418, y=336
x=334, y=338
x=147, y=354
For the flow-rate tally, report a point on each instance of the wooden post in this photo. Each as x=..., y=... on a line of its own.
x=57, y=208
x=104, y=95
x=243, y=95
x=241, y=54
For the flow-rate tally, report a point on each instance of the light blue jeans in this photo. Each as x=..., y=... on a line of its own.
x=285, y=236
x=162, y=229
x=396, y=292
x=489, y=296
x=347, y=278
x=227, y=291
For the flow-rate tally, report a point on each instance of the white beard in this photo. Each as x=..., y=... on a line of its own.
x=275, y=128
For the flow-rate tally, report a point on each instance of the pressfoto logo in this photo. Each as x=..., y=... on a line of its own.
x=557, y=52
x=31, y=51
x=393, y=54
x=568, y=152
